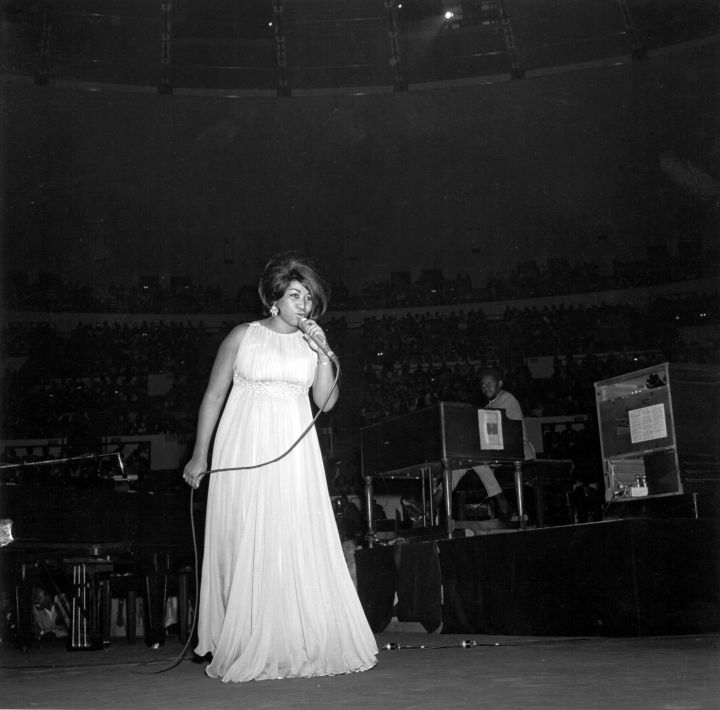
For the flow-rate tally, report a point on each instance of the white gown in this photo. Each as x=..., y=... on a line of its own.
x=276, y=597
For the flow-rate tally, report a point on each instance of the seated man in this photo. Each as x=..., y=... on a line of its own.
x=50, y=615
x=497, y=398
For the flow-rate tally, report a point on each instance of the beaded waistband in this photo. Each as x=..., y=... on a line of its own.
x=272, y=388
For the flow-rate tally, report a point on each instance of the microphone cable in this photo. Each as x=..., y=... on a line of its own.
x=181, y=656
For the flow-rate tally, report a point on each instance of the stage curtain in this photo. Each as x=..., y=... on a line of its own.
x=418, y=585
x=625, y=577
x=376, y=582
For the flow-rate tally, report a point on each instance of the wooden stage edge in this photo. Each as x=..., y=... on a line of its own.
x=627, y=577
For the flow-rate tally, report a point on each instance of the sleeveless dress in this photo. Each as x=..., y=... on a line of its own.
x=276, y=598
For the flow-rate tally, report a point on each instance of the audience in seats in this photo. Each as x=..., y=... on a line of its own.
x=147, y=378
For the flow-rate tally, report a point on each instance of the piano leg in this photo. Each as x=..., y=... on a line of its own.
x=24, y=599
x=369, y=510
x=518, y=476
x=447, y=497
x=155, y=599
x=105, y=597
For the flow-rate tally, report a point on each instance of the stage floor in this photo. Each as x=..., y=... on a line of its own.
x=662, y=673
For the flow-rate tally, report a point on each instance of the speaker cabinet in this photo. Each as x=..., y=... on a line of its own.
x=659, y=431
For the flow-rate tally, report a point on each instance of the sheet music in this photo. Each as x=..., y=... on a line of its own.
x=647, y=423
x=491, y=430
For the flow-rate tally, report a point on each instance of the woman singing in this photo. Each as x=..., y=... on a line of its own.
x=276, y=598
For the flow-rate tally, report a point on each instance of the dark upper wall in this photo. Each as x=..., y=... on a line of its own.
x=593, y=163
x=226, y=44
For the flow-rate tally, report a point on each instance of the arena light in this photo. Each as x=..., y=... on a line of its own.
x=452, y=15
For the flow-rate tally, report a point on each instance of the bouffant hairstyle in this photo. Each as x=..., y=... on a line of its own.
x=289, y=266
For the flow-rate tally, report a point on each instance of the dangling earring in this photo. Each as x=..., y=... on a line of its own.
x=274, y=310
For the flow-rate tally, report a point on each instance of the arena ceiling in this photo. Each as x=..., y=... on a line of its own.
x=296, y=45
x=602, y=145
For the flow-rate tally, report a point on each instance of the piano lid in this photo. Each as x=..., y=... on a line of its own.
x=444, y=435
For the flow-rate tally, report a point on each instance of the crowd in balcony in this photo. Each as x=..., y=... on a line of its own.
x=102, y=378
x=415, y=360
x=99, y=374
x=141, y=378
x=96, y=378
x=557, y=277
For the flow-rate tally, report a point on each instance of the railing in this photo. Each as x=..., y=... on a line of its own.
x=290, y=46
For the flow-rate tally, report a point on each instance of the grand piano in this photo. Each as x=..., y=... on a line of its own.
x=88, y=538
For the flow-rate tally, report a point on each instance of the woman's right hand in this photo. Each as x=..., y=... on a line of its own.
x=193, y=472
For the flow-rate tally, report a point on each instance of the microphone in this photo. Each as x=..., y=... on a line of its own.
x=317, y=339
